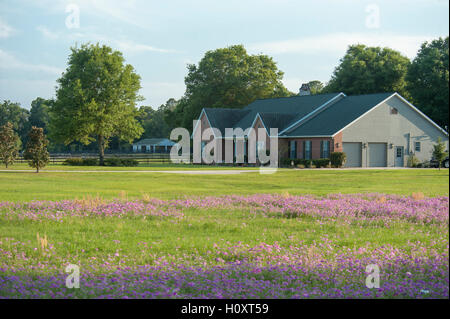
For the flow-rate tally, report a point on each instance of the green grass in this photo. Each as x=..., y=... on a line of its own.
x=140, y=167
x=26, y=186
x=80, y=238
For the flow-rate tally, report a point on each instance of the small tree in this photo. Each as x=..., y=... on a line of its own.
x=439, y=153
x=9, y=144
x=36, y=150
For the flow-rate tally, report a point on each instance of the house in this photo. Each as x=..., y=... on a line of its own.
x=153, y=145
x=374, y=130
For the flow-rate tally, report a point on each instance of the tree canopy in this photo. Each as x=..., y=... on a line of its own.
x=96, y=99
x=36, y=152
x=17, y=116
x=428, y=80
x=39, y=115
x=228, y=77
x=365, y=70
x=9, y=144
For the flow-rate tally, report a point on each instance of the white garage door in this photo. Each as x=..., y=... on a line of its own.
x=377, y=154
x=353, y=152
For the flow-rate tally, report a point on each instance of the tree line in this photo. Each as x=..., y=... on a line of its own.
x=95, y=107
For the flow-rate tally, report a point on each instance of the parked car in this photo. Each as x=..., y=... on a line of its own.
x=434, y=163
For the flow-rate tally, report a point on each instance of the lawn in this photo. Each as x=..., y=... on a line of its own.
x=26, y=186
x=286, y=235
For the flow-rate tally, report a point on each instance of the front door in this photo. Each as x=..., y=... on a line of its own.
x=399, y=156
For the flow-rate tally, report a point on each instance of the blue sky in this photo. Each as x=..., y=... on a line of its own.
x=306, y=38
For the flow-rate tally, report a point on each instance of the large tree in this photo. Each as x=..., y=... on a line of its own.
x=17, y=116
x=153, y=122
x=365, y=70
x=96, y=99
x=229, y=77
x=39, y=116
x=428, y=80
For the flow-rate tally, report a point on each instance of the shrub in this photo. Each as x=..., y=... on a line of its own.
x=116, y=161
x=78, y=161
x=287, y=162
x=413, y=161
x=113, y=161
x=321, y=162
x=301, y=166
x=338, y=159
x=90, y=162
x=129, y=162
x=73, y=161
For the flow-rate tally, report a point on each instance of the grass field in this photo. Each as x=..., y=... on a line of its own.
x=246, y=245
x=26, y=186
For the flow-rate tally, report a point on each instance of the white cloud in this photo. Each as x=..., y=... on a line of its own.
x=126, y=46
x=9, y=61
x=5, y=30
x=47, y=33
x=339, y=42
x=157, y=93
x=132, y=47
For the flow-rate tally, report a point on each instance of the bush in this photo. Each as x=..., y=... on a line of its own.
x=413, y=161
x=338, y=159
x=116, y=161
x=90, y=162
x=287, y=162
x=113, y=161
x=73, y=161
x=129, y=162
x=321, y=162
x=78, y=161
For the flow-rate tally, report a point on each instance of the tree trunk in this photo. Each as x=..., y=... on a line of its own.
x=101, y=150
x=37, y=169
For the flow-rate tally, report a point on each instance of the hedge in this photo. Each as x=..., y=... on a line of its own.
x=338, y=159
x=113, y=161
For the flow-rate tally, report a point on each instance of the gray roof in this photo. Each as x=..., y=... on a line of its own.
x=338, y=115
x=277, y=110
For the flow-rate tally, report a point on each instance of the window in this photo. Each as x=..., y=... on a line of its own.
x=399, y=152
x=394, y=111
x=293, y=149
x=260, y=145
x=417, y=146
x=307, y=150
x=325, y=149
x=203, y=147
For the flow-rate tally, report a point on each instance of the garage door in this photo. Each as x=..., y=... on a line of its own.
x=353, y=152
x=377, y=154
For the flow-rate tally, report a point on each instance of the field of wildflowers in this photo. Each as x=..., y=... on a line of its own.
x=255, y=246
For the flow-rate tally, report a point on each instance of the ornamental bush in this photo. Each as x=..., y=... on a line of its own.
x=338, y=159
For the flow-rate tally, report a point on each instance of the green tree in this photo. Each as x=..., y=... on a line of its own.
x=9, y=144
x=153, y=122
x=228, y=77
x=18, y=116
x=39, y=113
x=96, y=99
x=36, y=149
x=428, y=80
x=365, y=70
x=439, y=153
x=315, y=87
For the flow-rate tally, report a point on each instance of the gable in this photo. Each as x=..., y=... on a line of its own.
x=393, y=117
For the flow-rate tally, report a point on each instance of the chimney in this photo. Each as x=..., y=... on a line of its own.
x=305, y=90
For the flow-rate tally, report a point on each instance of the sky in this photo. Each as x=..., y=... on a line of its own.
x=159, y=38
